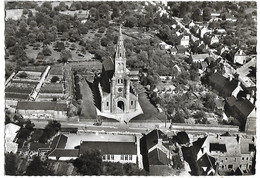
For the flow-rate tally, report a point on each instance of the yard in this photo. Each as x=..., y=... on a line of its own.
x=88, y=108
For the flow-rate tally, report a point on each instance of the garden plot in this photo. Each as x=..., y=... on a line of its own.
x=24, y=88
x=28, y=75
x=52, y=88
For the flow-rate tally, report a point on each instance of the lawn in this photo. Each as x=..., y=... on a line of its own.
x=88, y=107
x=150, y=112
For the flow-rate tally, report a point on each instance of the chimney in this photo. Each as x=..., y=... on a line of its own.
x=252, y=99
x=248, y=96
x=230, y=78
x=159, y=141
x=238, y=83
x=241, y=52
x=238, y=139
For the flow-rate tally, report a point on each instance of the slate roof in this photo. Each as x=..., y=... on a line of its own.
x=116, y=148
x=28, y=105
x=153, y=136
x=218, y=79
x=60, y=152
x=59, y=141
x=198, y=144
x=69, y=129
x=157, y=157
x=244, y=106
x=217, y=147
x=208, y=162
x=108, y=64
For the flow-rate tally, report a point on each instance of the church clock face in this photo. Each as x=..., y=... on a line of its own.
x=120, y=89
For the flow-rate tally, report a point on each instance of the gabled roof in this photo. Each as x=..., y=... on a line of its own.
x=108, y=64
x=28, y=105
x=208, y=162
x=60, y=152
x=116, y=148
x=218, y=79
x=244, y=106
x=226, y=134
x=157, y=157
x=59, y=141
x=198, y=144
x=153, y=136
x=237, y=172
x=217, y=147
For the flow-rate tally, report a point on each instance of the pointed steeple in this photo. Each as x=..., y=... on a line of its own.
x=120, y=49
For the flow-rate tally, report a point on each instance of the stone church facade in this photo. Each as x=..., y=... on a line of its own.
x=118, y=100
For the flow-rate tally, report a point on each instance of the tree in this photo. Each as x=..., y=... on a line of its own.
x=210, y=101
x=38, y=168
x=196, y=16
x=131, y=22
x=89, y=163
x=59, y=46
x=54, y=79
x=50, y=130
x=11, y=164
x=46, y=51
x=206, y=14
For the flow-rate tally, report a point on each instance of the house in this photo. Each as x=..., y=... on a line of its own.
x=214, y=39
x=185, y=41
x=227, y=151
x=173, y=50
x=197, y=58
x=155, y=149
x=180, y=49
x=202, y=31
x=58, y=151
x=134, y=74
x=42, y=110
x=11, y=131
x=191, y=24
x=230, y=17
x=244, y=111
x=225, y=86
x=123, y=152
x=240, y=57
x=207, y=165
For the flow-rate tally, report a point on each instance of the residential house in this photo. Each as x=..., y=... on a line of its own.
x=11, y=131
x=207, y=165
x=202, y=31
x=225, y=86
x=214, y=39
x=244, y=111
x=155, y=149
x=123, y=152
x=58, y=151
x=181, y=49
x=134, y=74
x=42, y=110
x=230, y=17
x=185, y=41
x=197, y=58
x=240, y=57
x=229, y=152
x=215, y=16
x=173, y=50
x=191, y=24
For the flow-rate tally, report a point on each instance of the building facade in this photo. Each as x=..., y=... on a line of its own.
x=118, y=99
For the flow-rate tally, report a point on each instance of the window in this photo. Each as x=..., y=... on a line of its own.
x=104, y=157
x=126, y=157
x=108, y=157
x=226, y=158
x=118, y=81
x=235, y=159
x=132, y=102
x=107, y=103
x=130, y=157
x=112, y=157
x=243, y=158
x=222, y=166
x=230, y=166
x=122, y=157
x=246, y=158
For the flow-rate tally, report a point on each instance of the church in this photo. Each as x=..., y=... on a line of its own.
x=118, y=99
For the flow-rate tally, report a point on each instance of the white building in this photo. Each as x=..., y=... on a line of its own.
x=11, y=131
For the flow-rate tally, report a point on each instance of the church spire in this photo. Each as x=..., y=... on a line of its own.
x=120, y=49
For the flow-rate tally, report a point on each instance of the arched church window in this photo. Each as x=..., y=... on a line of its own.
x=118, y=81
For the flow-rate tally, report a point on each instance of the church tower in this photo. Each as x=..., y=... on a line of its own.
x=120, y=83
x=117, y=100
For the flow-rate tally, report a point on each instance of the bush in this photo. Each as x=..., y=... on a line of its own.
x=54, y=79
x=23, y=75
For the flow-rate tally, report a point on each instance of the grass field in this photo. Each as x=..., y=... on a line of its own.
x=88, y=107
x=150, y=112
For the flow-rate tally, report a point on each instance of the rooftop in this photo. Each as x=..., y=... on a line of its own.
x=28, y=105
x=157, y=157
x=116, y=148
